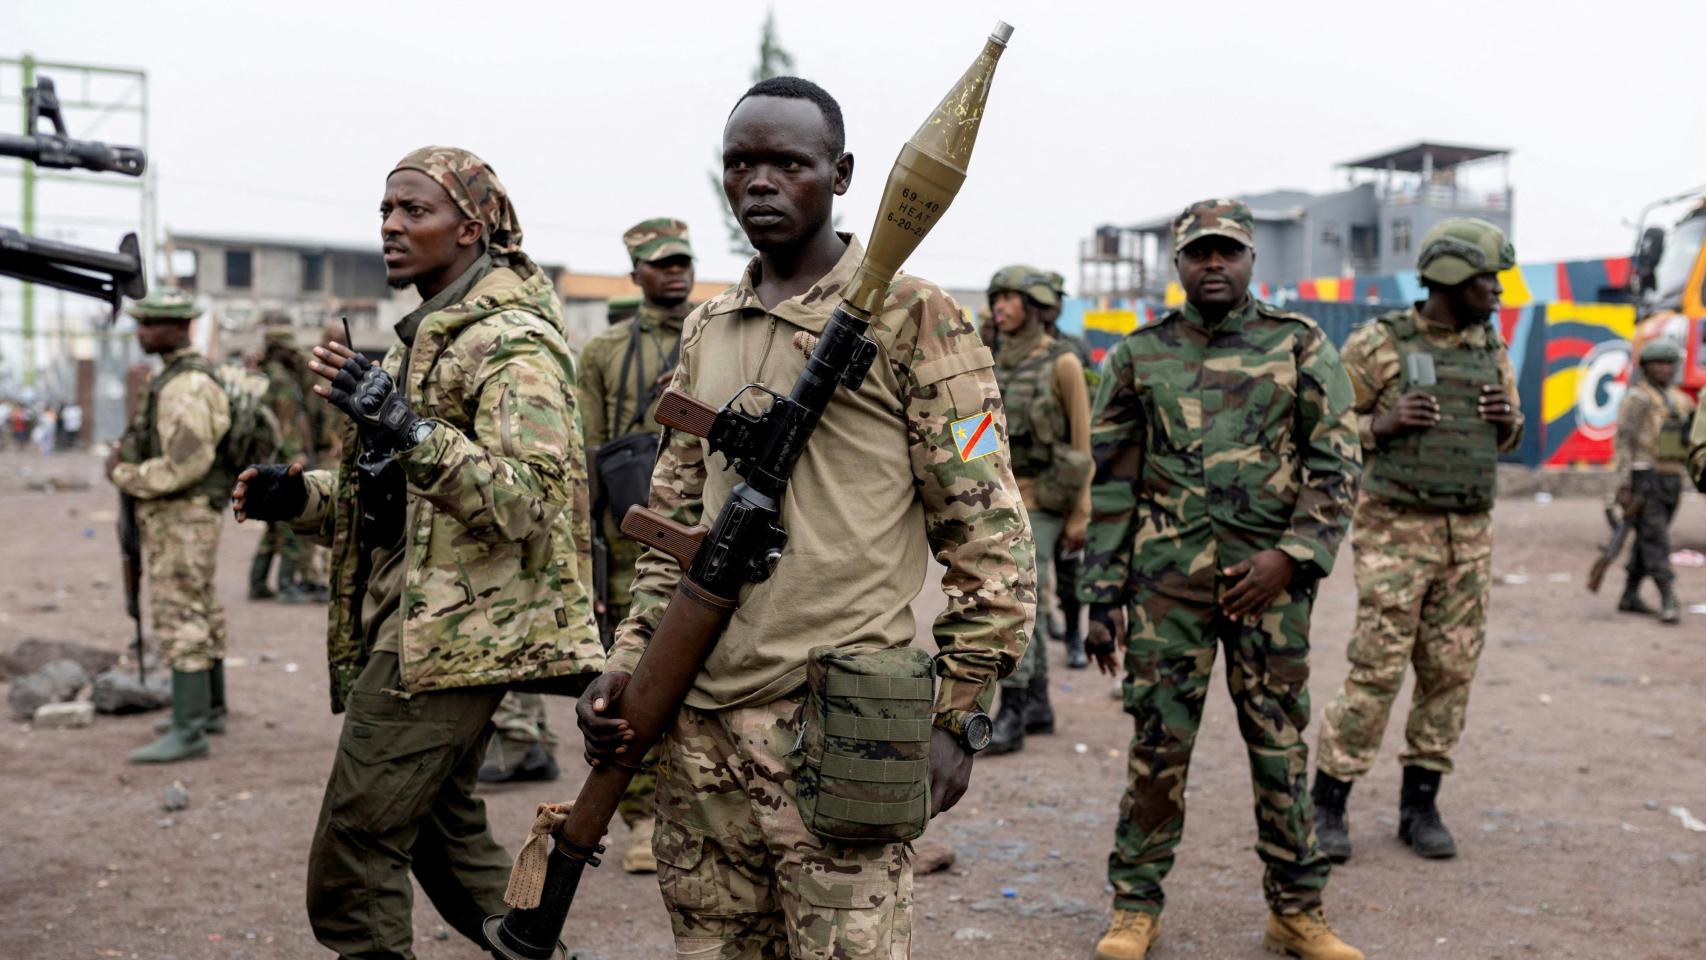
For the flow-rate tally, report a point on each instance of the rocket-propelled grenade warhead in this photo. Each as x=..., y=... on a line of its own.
x=926, y=176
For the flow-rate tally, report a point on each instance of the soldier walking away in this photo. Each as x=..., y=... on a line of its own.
x=1436, y=402
x=459, y=528
x=883, y=486
x=1048, y=430
x=287, y=397
x=169, y=461
x=1226, y=467
x=1652, y=457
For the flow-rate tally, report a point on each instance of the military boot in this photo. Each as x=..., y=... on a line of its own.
x=1075, y=656
x=1631, y=601
x=1307, y=936
x=258, y=570
x=216, y=712
x=187, y=735
x=1670, y=612
x=638, y=857
x=1332, y=829
x=1129, y=936
x=289, y=590
x=511, y=762
x=1419, y=824
x=1039, y=715
x=1009, y=733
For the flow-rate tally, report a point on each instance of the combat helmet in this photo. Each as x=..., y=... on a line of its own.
x=1029, y=281
x=1661, y=351
x=1461, y=247
x=164, y=304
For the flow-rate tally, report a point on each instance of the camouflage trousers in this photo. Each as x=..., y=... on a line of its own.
x=282, y=540
x=1169, y=661
x=180, y=545
x=1649, y=555
x=1410, y=611
x=741, y=875
x=1046, y=528
x=520, y=720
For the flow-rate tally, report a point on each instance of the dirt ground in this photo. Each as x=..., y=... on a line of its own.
x=1586, y=728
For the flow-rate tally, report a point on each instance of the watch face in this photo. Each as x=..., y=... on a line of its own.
x=977, y=731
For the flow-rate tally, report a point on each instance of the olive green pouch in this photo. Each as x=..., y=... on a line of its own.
x=864, y=747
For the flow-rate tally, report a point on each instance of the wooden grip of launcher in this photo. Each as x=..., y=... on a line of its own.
x=678, y=411
x=661, y=533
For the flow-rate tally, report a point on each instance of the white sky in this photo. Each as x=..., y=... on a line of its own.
x=285, y=120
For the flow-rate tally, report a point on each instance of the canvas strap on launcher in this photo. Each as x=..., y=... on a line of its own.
x=748, y=539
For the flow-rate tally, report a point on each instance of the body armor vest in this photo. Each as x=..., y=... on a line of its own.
x=1672, y=443
x=1035, y=421
x=142, y=438
x=1453, y=466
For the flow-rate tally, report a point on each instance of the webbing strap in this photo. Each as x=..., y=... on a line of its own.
x=870, y=812
x=873, y=771
x=893, y=729
x=879, y=688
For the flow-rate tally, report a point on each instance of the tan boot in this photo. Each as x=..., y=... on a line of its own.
x=1130, y=936
x=1307, y=936
x=638, y=857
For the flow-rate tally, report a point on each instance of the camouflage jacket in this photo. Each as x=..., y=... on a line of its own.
x=288, y=400
x=606, y=409
x=881, y=487
x=174, y=453
x=497, y=528
x=1640, y=419
x=1213, y=444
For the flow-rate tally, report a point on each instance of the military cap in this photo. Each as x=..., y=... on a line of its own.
x=1214, y=218
x=278, y=336
x=1029, y=281
x=1459, y=248
x=1661, y=350
x=164, y=304
x=656, y=239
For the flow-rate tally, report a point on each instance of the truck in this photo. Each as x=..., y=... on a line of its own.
x=1668, y=277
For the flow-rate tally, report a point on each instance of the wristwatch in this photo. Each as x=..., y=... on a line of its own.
x=422, y=429
x=972, y=728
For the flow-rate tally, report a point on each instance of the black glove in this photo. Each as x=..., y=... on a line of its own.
x=371, y=398
x=1099, y=614
x=274, y=494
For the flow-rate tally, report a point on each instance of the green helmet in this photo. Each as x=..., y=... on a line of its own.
x=1459, y=248
x=1029, y=281
x=1057, y=283
x=164, y=304
x=1661, y=350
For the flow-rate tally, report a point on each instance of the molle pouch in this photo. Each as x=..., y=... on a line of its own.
x=1419, y=370
x=864, y=747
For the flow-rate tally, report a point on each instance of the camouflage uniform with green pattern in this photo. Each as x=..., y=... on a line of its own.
x=1214, y=443
x=287, y=397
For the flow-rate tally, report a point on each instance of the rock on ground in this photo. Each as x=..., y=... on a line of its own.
x=55, y=682
x=64, y=716
x=121, y=692
x=33, y=653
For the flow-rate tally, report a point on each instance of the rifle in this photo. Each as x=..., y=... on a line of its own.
x=93, y=273
x=747, y=541
x=130, y=545
x=601, y=582
x=1620, y=527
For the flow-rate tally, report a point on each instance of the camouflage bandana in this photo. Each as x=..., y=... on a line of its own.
x=478, y=193
x=1214, y=218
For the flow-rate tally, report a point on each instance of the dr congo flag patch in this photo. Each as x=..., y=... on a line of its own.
x=975, y=436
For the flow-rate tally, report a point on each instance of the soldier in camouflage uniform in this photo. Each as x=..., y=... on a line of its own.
x=1069, y=563
x=286, y=396
x=1226, y=466
x=882, y=487
x=459, y=527
x=1048, y=422
x=1652, y=457
x=169, y=462
x=1436, y=402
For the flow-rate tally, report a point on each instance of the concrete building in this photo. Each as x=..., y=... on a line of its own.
x=1372, y=226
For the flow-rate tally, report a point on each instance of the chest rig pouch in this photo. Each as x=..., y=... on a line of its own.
x=864, y=748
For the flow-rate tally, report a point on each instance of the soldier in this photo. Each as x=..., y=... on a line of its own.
x=1079, y=345
x=1652, y=457
x=882, y=486
x=1436, y=403
x=459, y=528
x=1048, y=426
x=1226, y=465
x=1068, y=563
x=286, y=396
x=169, y=462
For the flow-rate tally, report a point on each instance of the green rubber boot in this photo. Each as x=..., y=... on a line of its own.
x=258, y=569
x=187, y=736
x=216, y=712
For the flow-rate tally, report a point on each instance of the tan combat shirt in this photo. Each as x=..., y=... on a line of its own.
x=1639, y=419
x=192, y=415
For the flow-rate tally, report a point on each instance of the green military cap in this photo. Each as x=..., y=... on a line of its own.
x=1661, y=350
x=1029, y=281
x=617, y=309
x=1214, y=218
x=1057, y=283
x=656, y=239
x=278, y=336
x=1459, y=248
x=164, y=304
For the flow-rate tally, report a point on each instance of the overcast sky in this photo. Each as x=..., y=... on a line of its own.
x=284, y=120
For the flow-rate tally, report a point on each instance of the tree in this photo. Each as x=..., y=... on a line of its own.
x=773, y=61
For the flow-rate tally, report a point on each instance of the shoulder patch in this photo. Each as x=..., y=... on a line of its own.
x=975, y=436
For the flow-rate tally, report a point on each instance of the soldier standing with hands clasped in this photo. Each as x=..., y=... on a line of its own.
x=1436, y=403
x=458, y=523
x=1226, y=466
